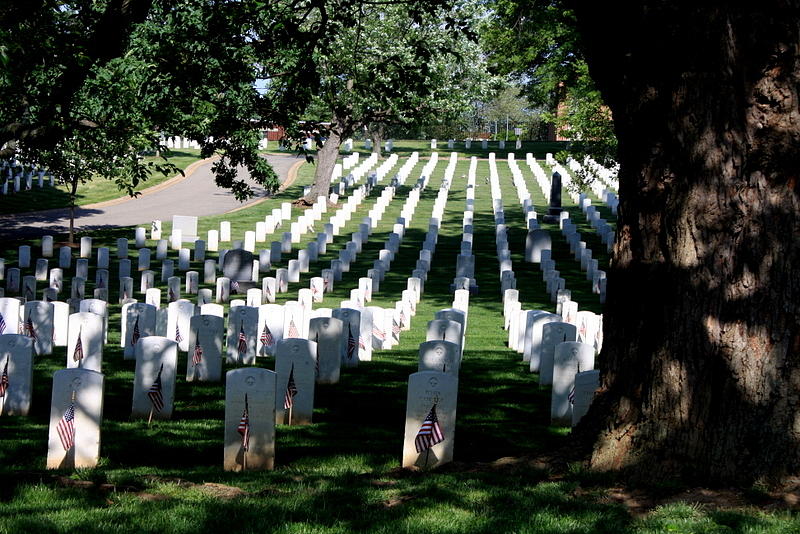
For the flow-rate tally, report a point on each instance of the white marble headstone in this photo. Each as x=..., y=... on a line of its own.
x=430, y=391
x=79, y=392
x=296, y=359
x=328, y=334
x=242, y=335
x=16, y=359
x=204, y=359
x=156, y=363
x=250, y=395
x=85, y=341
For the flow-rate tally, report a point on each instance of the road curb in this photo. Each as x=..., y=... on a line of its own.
x=156, y=188
x=291, y=176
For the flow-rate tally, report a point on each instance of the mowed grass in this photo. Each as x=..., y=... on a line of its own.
x=341, y=474
x=97, y=190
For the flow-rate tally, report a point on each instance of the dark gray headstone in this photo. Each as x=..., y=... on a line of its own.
x=238, y=265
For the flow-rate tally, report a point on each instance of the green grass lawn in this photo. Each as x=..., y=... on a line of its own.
x=97, y=190
x=341, y=474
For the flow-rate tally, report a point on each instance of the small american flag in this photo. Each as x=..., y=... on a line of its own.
x=326, y=285
x=101, y=282
x=136, y=334
x=268, y=291
x=197, y=356
x=402, y=319
x=361, y=345
x=291, y=391
x=242, y=345
x=430, y=433
x=351, y=344
x=395, y=328
x=171, y=295
x=293, y=332
x=30, y=331
x=314, y=290
x=266, y=337
x=124, y=294
x=234, y=287
x=4, y=379
x=28, y=293
x=244, y=426
x=378, y=333
x=66, y=428
x=582, y=331
x=77, y=354
x=156, y=397
x=571, y=396
x=178, y=336
x=2, y=324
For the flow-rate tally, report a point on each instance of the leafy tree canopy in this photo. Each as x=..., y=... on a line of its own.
x=537, y=44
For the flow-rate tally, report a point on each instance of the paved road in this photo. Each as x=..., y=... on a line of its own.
x=195, y=195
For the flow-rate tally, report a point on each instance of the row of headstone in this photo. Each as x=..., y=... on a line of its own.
x=52, y=323
x=256, y=399
x=583, y=255
x=178, y=142
x=548, y=342
x=602, y=182
x=432, y=398
x=389, y=145
x=16, y=177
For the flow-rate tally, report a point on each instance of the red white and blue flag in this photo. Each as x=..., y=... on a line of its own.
x=351, y=344
x=155, y=393
x=136, y=334
x=291, y=391
x=244, y=426
x=266, y=336
x=242, y=343
x=66, y=428
x=4, y=379
x=77, y=354
x=197, y=356
x=430, y=433
x=30, y=331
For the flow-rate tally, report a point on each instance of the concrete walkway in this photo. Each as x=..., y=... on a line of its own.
x=196, y=194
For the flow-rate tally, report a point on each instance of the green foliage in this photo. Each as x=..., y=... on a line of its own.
x=393, y=65
x=538, y=45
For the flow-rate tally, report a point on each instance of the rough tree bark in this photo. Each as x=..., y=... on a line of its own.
x=326, y=159
x=377, y=132
x=73, y=194
x=701, y=363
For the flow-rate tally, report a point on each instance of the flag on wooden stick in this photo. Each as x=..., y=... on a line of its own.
x=66, y=427
x=266, y=336
x=77, y=354
x=4, y=379
x=430, y=433
x=291, y=391
x=197, y=356
x=155, y=393
x=242, y=344
x=136, y=334
x=244, y=426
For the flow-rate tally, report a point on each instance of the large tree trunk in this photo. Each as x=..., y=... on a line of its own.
x=377, y=132
x=701, y=364
x=73, y=193
x=326, y=161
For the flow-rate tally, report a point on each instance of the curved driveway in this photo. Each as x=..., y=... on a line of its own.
x=197, y=194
